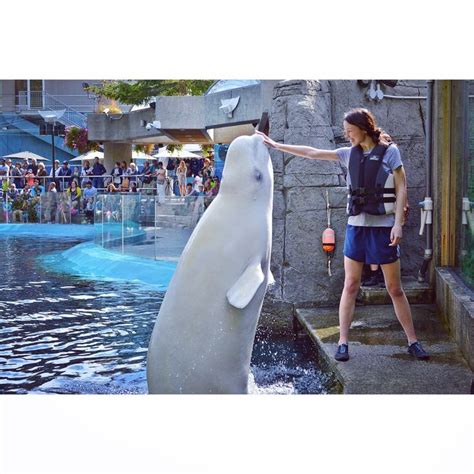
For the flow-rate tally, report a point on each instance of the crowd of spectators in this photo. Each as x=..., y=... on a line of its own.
x=73, y=190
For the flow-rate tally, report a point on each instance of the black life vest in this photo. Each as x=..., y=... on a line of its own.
x=372, y=187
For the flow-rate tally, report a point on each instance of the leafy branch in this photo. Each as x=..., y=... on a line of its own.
x=137, y=92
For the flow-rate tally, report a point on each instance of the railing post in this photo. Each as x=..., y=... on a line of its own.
x=123, y=230
x=154, y=231
x=102, y=212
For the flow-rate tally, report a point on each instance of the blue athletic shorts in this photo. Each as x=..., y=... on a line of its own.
x=370, y=245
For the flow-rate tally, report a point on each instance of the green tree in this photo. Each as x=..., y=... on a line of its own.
x=207, y=150
x=137, y=92
x=174, y=146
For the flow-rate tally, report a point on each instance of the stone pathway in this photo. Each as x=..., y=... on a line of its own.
x=379, y=362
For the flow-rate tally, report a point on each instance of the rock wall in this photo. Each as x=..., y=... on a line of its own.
x=310, y=112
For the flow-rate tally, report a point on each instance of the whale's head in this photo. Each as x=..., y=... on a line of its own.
x=248, y=168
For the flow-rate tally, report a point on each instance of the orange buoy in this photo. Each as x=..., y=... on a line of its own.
x=329, y=240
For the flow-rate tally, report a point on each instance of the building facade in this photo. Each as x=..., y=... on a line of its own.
x=20, y=101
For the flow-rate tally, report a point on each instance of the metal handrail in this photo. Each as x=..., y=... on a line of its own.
x=42, y=202
x=45, y=101
x=84, y=178
x=71, y=117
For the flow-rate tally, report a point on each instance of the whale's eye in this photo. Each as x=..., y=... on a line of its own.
x=258, y=175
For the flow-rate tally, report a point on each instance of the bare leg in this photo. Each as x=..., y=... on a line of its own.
x=353, y=272
x=391, y=272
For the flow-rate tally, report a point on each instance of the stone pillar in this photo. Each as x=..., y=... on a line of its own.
x=301, y=114
x=116, y=152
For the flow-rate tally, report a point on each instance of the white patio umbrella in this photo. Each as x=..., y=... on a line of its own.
x=25, y=155
x=194, y=148
x=140, y=155
x=164, y=153
x=90, y=155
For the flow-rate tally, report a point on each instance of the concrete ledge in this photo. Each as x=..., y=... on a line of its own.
x=124, y=129
x=455, y=302
x=379, y=362
x=417, y=293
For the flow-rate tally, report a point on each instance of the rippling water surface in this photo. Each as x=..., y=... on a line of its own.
x=61, y=334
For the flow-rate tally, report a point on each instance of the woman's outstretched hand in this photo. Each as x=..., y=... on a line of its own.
x=267, y=140
x=395, y=235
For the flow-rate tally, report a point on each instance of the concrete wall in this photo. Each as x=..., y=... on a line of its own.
x=456, y=304
x=310, y=113
x=249, y=107
x=114, y=152
x=203, y=111
x=176, y=112
x=119, y=128
x=71, y=93
x=8, y=96
x=68, y=91
x=179, y=113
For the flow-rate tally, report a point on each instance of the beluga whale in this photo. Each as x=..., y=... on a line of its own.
x=204, y=333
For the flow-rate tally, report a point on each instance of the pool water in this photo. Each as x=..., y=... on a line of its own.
x=60, y=333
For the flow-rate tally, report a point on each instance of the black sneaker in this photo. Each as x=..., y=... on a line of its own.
x=416, y=350
x=342, y=353
x=374, y=278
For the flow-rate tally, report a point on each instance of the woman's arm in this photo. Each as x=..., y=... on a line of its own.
x=401, y=193
x=300, y=150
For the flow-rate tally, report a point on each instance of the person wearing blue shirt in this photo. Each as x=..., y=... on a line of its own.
x=65, y=174
x=375, y=221
x=98, y=169
x=37, y=190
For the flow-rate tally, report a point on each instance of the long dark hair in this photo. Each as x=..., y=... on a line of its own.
x=363, y=119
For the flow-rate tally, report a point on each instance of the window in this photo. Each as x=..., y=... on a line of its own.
x=467, y=226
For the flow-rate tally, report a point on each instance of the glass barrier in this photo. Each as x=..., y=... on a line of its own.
x=467, y=226
x=50, y=209
x=142, y=223
x=149, y=226
x=19, y=208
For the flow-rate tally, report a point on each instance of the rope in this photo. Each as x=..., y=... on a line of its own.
x=328, y=209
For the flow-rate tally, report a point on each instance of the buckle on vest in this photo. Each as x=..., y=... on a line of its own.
x=359, y=200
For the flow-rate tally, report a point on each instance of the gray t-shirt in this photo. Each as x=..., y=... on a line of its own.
x=391, y=161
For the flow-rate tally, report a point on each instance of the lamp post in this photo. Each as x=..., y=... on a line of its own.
x=51, y=117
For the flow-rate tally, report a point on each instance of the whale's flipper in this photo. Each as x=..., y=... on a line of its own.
x=246, y=286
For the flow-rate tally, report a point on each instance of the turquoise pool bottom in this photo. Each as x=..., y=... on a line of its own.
x=90, y=261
